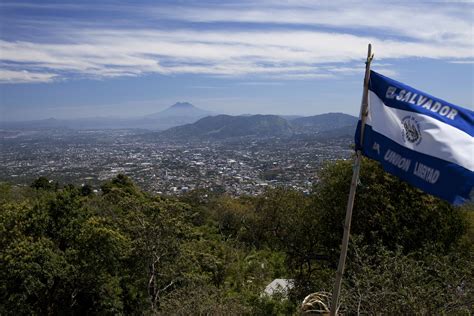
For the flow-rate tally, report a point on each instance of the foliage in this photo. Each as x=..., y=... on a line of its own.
x=68, y=250
x=391, y=221
x=390, y=282
x=42, y=183
x=387, y=210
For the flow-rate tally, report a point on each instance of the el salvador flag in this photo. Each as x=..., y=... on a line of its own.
x=419, y=138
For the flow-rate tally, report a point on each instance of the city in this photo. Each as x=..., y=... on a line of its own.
x=240, y=166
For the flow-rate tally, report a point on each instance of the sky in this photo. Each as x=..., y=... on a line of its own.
x=76, y=59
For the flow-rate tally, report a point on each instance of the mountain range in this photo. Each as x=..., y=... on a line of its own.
x=184, y=121
x=178, y=114
x=226, y=126
x=322, y=122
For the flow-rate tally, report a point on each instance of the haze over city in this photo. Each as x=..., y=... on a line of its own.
x=68, y=59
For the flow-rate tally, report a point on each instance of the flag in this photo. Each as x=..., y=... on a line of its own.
x=419, y=138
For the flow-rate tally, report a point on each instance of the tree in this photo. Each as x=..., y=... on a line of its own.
x=382, y=281
x=390, y=217
x=387, y=211
x=43, y=183
x=86, y=190
x=58, y=257
x=127, y=252
x=123, y=183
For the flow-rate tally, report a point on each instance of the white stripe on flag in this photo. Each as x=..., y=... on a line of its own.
x=439, y=139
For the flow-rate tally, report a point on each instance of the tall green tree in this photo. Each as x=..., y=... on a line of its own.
x=387, y=211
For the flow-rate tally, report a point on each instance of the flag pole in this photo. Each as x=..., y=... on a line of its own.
x=355, y=178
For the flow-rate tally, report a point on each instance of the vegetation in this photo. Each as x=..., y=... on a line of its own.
x=227, y=126
x=67, y=250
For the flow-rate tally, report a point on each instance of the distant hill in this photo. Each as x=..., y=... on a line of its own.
x=323, y=122
x=181, y=109
x=328, y=125
x=291, y=117
x=178, y=114
x=185, y=121
x=226, y=126
x=345, y=131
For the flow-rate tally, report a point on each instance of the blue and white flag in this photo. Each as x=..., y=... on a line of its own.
x=421, y=139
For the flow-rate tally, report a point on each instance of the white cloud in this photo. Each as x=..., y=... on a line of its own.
x=440, y=22
x=462, y=61
x=13, y=76
x=442, y=31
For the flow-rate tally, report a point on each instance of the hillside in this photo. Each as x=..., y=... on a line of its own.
x=180, y=109
x=226, y=126
x=69, y=251
x=324, y=122
x=179, y=113
x=188, y=121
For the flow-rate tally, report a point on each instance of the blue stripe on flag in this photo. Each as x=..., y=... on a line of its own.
x=398, y=95
x=435, y=176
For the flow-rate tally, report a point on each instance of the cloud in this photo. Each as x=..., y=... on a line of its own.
x=14, y=76
x=462, y=61
x=328, y=42
x=424, y=20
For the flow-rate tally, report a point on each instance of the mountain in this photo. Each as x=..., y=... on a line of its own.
x=330, y=125
x=291, y=117
x=179, y=113
x=181, y=109
x=185, y=121
x=226, y=126
x=323, y=123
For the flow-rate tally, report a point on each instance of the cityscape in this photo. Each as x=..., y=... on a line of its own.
x=239, y=166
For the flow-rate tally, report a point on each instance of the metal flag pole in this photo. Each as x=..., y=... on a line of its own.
x=355, y=178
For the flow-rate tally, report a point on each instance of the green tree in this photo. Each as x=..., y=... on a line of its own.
x=392, y=218
x=382, y=281
x=387, y=211
x=43, y=183
x=57, y=257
